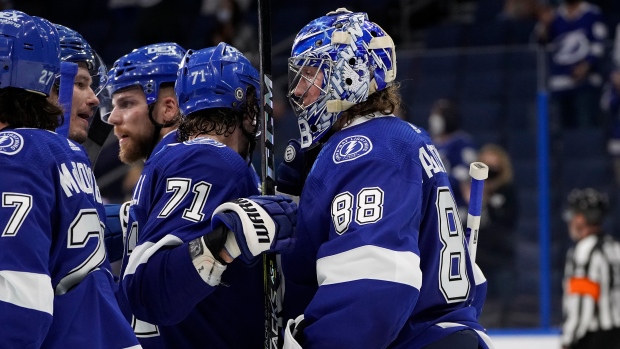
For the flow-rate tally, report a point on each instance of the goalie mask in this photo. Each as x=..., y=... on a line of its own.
x=74, y=48
x=29, y=52
x=147, y=67
x=337, y=61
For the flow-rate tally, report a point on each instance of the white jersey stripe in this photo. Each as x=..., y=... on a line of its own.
x=27, y=290
x=143, y=252
x=370, y=262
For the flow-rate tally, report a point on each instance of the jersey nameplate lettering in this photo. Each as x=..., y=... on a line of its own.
x=430, y=160
x=76, y=178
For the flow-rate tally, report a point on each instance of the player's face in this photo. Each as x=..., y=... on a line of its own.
x=576, y=226
x=309, y=85
x=84, y=103
x=132, y=127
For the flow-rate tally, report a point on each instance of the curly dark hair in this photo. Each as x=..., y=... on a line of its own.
x=21, y=108
x=222, y=121
x=385, y=101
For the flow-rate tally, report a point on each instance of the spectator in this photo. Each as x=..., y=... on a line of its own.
x=520, y=9
x=576, y=33
x=455, y=146
x=610, y=103
x=592, y=276
x=496, y=251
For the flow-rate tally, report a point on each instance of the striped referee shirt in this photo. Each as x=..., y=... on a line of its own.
x=591, y=300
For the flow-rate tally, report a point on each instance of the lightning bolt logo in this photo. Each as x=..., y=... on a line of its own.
x=352, y=148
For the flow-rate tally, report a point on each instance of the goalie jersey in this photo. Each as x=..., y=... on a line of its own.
x=380, y=259
x=55, y=287
x=180, y=187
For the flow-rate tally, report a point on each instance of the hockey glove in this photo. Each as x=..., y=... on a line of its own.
x=293, y=171
x=257, y=224
x=114, y=229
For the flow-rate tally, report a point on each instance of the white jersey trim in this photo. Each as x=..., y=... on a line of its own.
x=478, y=275
x=485, y=338
x=370, y=262
x=143, y=252
x=27, y=290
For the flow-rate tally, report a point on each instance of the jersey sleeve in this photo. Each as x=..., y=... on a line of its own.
x=370, y=262
x=174, y=206
x=26, y=293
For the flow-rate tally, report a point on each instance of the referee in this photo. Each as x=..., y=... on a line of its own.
x=591, y=302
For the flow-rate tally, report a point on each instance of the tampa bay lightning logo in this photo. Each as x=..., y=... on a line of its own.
x=10, y=143
x=352, y=148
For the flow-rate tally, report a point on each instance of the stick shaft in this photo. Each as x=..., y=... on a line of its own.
x=479, y=172
x=273, y=322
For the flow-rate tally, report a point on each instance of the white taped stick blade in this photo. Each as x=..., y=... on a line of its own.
x=479, y=170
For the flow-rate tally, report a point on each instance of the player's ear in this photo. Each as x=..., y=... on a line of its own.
x=170, y=109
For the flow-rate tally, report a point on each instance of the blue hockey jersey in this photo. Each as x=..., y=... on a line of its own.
x=180, y=187
x=56, y=290
x=576, y=40
x=380, y=259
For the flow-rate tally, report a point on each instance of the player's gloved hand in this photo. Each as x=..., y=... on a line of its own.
x=257, y=224
x=293, y=171
x=113, y=233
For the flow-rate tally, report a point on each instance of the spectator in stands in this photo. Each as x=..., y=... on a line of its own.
x=455, y=146
x=610, y=103
x=496, y=250
x=230, y=27
x=591, y=302
x=576, y=33
x=520, y=9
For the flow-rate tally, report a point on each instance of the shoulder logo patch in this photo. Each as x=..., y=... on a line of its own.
x=11, y=142
x=351, y=148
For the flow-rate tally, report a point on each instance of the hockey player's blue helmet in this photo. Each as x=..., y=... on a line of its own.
x=149, y=67
x=74, y=48
x=29, y=52
x=337, y=61
x=215, y=77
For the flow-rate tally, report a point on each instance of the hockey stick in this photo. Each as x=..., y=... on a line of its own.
x=272, y=279
x=478, y=172
x=68, y=71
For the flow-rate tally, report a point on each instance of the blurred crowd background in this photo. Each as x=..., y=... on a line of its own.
x=485, y=62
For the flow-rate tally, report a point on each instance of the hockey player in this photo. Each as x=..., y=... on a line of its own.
x=177, y=277
x=145, y=108
x=591, y=302
x=380, y=259
x=89, y=80
x=55, y=289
